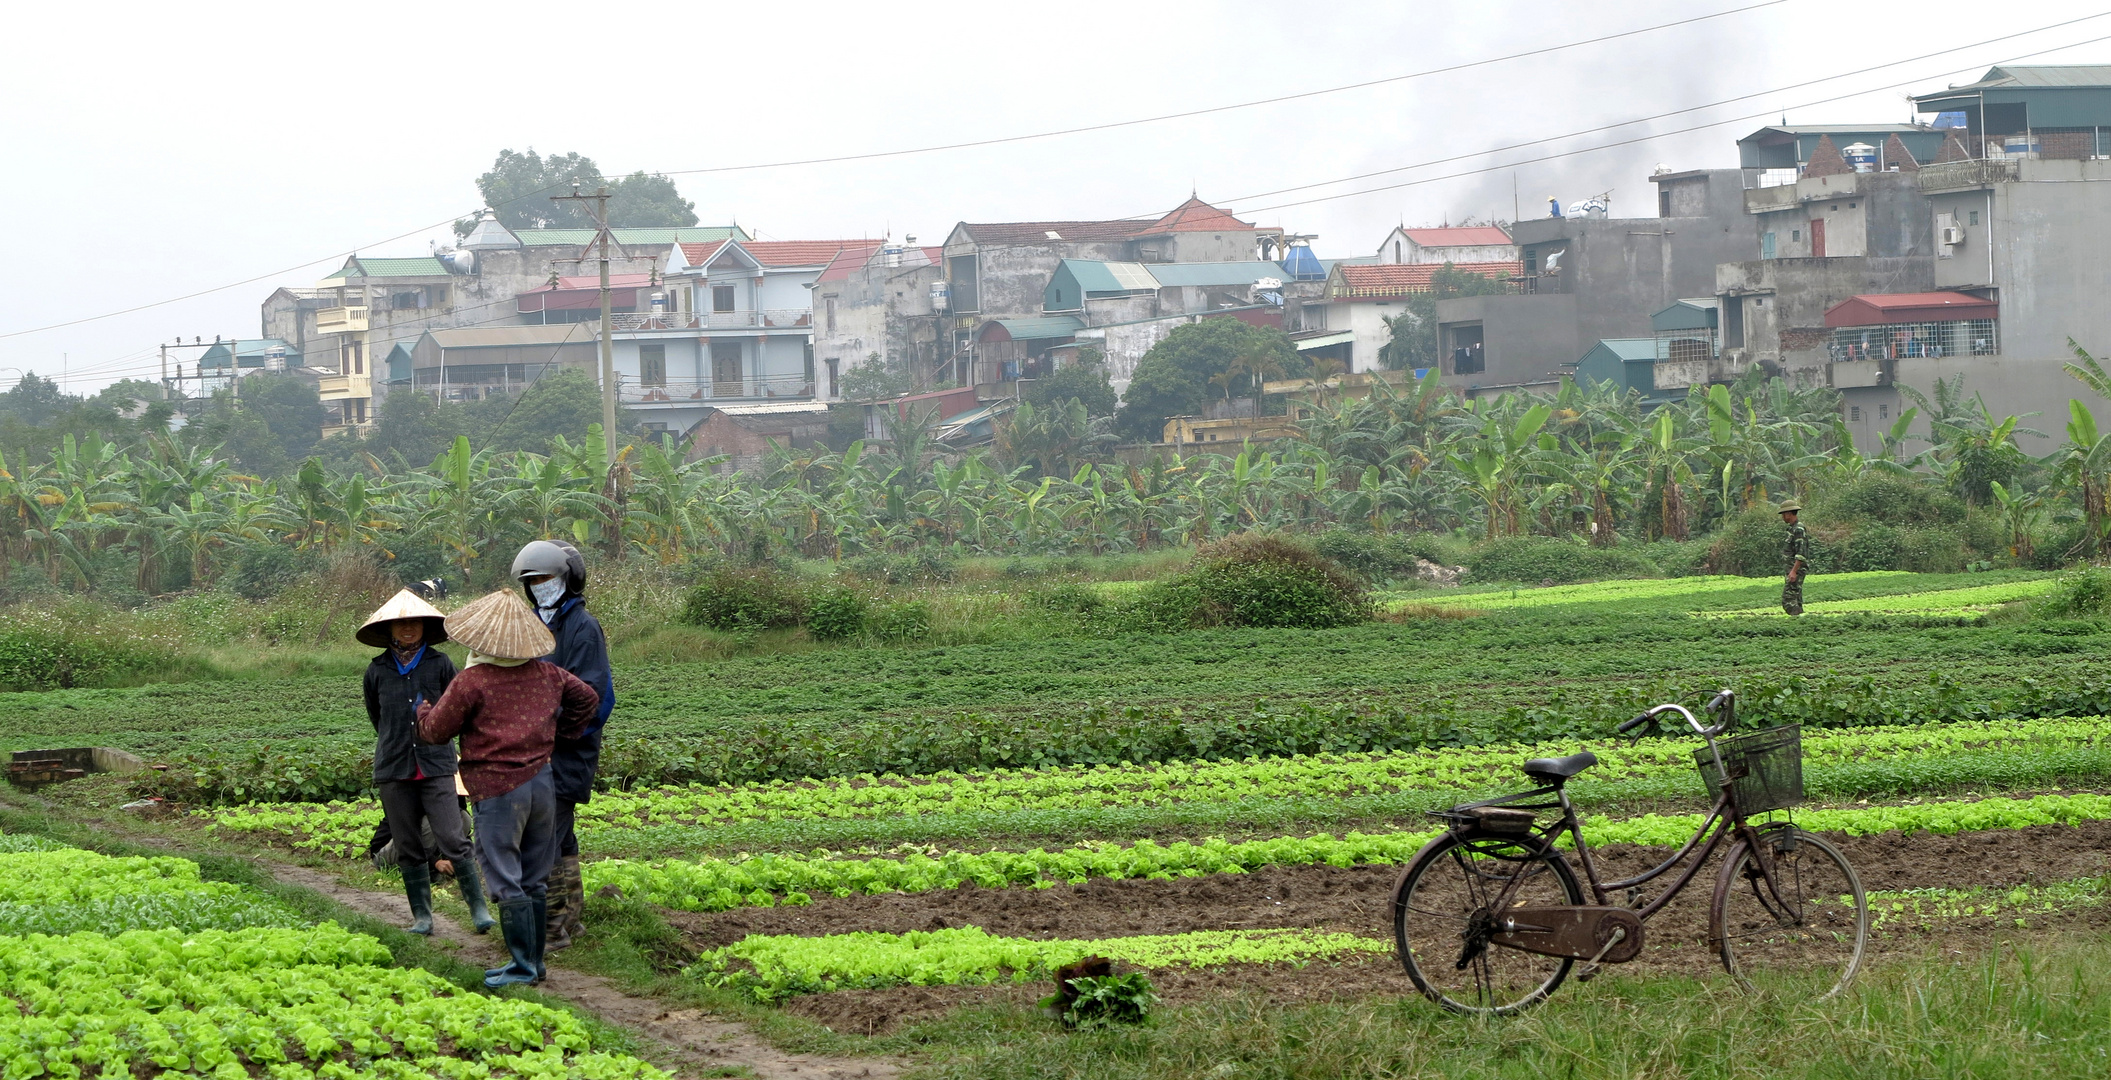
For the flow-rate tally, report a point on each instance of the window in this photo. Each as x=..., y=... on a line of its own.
x=1532, y=262
x=1883, y=412
x=1396, y=251
x=722, y=298
x=1851, y=206
x=961, y=275
x=405, y=300
x=809, y=368
x=831, y=302
x=652, y=364
x=1766, y=245
x=1975, y=217
x=1854, y=412
x=1795, y=235
x=1663, y=202
x=1733, y=312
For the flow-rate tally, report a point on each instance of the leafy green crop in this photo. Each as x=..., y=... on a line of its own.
x=773, y=967
x=1845, y=763
x=769, y=879
x=314, y=1002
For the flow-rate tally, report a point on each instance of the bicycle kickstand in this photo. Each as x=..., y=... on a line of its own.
x=1591, y=968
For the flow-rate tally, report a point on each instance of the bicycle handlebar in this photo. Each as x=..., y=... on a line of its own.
x=1721, y=703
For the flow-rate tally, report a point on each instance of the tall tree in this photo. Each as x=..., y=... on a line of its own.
x=1173, y=379
x=519, y=187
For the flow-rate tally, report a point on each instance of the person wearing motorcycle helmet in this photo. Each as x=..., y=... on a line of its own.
x=553, y=576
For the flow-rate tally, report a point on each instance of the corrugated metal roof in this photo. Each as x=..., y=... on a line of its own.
x=1036, y=232
x=1093, y=276
x=1342, y=337
x=771, y=407
x=1880, y=310
x=474, y=337
x=1693, y=313
x=1630, y=348
x=358, y=266
x=1048, y=326
x=1222, y=273
x=2041, y=75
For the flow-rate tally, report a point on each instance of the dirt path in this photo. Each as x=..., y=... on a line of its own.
x=699, y=1044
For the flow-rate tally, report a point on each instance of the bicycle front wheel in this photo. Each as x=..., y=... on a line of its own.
x=1444, y=914
x=1813, y=920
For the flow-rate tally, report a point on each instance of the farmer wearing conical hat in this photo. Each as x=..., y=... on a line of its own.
x=417, y=783
x=508, y=708
x=1796, y=552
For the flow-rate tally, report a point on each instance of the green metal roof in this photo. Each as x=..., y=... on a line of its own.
x=1094, y=276
x=357, y=266
x=1218, y=273
x=250, y=352
x=1341, y=337
x=1628, y=348
x=694, y=234
x=1048, y=326
x=1695, y=314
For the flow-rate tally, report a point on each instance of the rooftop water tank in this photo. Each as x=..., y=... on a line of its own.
x=1860, y=156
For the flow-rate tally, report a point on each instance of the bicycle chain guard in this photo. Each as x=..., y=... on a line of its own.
x=1580, y=932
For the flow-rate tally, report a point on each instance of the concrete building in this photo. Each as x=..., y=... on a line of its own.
x=999, y=271
x=1357, y=298
x=1124, y=308
x=1585, y=279
x=745, y=434
x=1779, y=154
x=876, y=302
x=471, y=363
x=1459, y=244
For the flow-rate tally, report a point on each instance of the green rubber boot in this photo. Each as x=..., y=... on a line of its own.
x=417, y=886
x=472, y=886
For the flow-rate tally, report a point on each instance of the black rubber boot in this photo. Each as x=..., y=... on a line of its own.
x=542, y=937
x=574, y=899
x=517, y=922
x=472, y=886
x=417, y=886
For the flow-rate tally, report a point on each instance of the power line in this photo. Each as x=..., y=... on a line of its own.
x=451, y=219
x=1691, y=109
x=1619, y=143
x=1112, y=125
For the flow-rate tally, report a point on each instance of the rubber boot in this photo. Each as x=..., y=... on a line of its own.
x=417, y=886
x=472, y=886
x=567, y=896
x=542, y=929
x=516, y=922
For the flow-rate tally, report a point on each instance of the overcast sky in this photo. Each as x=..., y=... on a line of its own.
x=162, y=150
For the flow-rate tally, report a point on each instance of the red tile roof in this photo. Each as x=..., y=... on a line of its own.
x=1880, y=310
x=798, y=252
x=1461, y=236
x=1368, y=280
x=853, y=256
x=593, y=282
x=1194, y=215
x=699, y=254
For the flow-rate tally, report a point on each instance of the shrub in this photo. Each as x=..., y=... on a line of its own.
x=43, y=650
x=1252, y=579
x=1378, y=556
x=744, y=598
x=1535, y=559
x=922, y=565
x=902, y=620
x=1886, y=499
x=837, y=613
x=1870, y=547
x=264, y=569
x=2084, y=593
x=1931, y=550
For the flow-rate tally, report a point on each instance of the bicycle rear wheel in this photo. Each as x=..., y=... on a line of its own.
x=1815, y=920
x=1443, y=915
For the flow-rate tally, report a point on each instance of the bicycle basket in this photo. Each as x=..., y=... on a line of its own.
x=1766, y=768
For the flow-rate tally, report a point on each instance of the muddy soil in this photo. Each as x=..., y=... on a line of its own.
x=1355, y=899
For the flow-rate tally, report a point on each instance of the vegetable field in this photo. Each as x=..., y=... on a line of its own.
x=896, y=847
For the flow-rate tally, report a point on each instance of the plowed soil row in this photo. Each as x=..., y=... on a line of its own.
x=1355, y=900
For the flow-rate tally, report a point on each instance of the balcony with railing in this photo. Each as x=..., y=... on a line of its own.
x=341, y=320
x=757, y=319
x=748, y=389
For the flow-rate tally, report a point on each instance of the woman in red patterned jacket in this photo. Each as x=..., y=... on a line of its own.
x=508, y=709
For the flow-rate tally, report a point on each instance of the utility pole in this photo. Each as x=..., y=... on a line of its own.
x=164, y=373
x=608, y=349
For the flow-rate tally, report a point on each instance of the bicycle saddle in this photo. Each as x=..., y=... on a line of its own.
x=1555, y=769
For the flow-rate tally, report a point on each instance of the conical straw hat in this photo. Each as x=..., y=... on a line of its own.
x=404, y=605
x=499, y=625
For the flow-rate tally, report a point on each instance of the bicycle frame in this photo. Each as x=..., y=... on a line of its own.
x=1723, y=820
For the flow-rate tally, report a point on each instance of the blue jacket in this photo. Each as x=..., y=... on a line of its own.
x=582, y=649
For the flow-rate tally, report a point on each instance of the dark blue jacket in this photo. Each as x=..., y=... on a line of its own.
x=391, y=703
x=582, y=650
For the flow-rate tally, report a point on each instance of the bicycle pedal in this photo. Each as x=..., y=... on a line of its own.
x=1590, y=973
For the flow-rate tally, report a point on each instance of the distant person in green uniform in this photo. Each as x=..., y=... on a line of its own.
x=1796, y=553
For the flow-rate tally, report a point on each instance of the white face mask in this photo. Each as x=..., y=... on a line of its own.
x=548, y=593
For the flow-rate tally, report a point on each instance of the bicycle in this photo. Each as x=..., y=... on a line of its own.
x=1489, y=917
